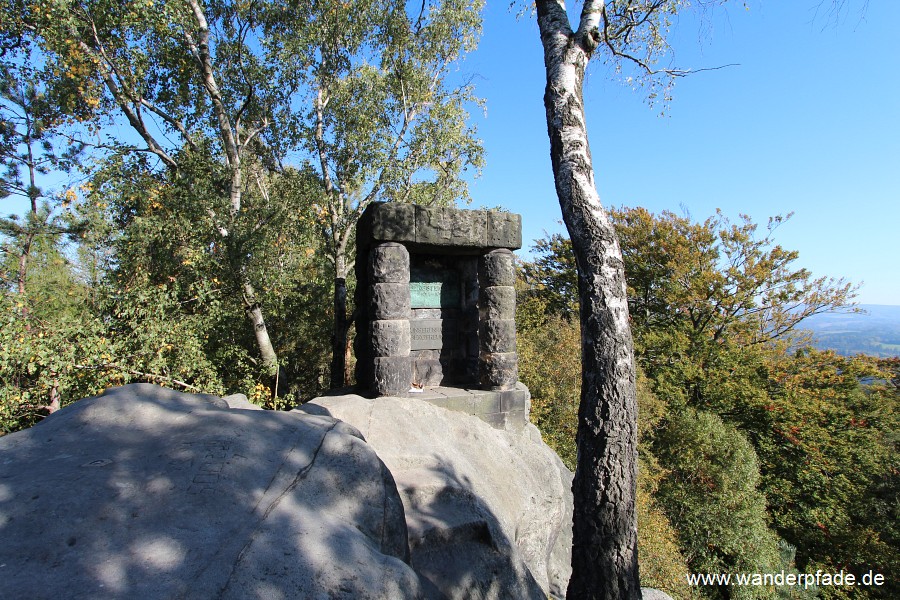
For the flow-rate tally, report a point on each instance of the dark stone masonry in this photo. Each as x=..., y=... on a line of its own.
x=435, y=287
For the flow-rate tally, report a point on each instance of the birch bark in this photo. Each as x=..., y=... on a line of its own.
x=604, y=553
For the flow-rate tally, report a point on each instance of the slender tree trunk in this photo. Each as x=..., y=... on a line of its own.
x=341, y=323
x=22, y=275
x=604, y=553
x=252, y=308
x=255, y=314
x=33, y=195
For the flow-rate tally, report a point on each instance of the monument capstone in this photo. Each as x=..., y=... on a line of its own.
x=435, y=287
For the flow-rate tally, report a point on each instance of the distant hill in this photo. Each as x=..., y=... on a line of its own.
x=876, y=332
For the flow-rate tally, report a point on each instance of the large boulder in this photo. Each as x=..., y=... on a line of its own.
x=143, y=492
x=489, y=512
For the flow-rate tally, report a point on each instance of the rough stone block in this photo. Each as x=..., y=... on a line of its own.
x=499, y=370
x=392, y=376
x=487, y=402
x=427, y=372
x=498, y=302
x=495, y=420
x=515, y=420
x=468, y=228
x=389, y=263
x=504, y=230
x=388, y=301
x=498, y=335
x=497, y=267
x=433, y=226
x=390, y=338
x=516, y=399
x=393, y=222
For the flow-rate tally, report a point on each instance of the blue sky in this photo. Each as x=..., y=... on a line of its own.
x=809, y=122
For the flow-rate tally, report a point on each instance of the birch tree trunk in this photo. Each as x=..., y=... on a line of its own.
x=234, y=146
x=604, y=553
x=260, y=331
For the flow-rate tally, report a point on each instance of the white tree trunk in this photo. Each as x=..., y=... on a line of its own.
x=604, y=554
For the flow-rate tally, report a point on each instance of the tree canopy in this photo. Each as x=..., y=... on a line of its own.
x=718, y=315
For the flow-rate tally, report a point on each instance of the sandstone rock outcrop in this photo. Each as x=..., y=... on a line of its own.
x=144, y=492
x=489, y=512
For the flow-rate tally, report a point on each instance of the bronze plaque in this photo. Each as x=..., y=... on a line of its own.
x=430, y=288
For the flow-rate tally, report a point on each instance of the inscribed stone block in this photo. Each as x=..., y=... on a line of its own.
x=427, y=334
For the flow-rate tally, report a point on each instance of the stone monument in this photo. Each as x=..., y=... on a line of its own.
x=437, y=303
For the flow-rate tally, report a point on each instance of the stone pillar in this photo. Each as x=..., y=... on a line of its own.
x=497, y=360
x=389, y=334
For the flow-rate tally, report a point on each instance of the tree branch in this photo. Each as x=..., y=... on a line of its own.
x=170, y=120
x=204, y=60
x=122, y=98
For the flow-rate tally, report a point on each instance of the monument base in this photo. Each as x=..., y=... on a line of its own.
x=506, y=409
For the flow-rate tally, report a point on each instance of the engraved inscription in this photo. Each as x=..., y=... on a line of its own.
x=206, y=460
x=430, y=288
x=426, y=334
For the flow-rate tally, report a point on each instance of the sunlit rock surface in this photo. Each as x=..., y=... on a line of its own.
x=148, y=493
x=144, y=492
x=489, y=512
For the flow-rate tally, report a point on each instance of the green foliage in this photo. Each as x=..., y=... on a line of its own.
x=549, y=349
x=552, y=276
x=663, y=563
x=820, y=414
x=715, y=310
x=163, y=239
x=72, y=351
x=709, y=492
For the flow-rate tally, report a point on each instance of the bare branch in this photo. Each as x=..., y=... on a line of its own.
x=610, y=40
x=170, y=120
x=152, y=376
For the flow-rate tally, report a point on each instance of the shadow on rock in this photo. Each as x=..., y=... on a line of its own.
x=144, y=492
